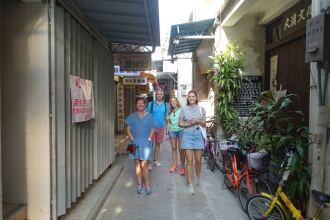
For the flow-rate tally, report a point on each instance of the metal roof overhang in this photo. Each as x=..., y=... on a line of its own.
x=185, y=38
x=124, y=22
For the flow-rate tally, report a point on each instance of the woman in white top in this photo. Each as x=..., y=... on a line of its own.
x=191, y=117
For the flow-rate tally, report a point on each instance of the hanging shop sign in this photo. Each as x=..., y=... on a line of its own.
x=118, y=72
x=82, y=99
x=295, y=18
x=135, y=81
x=135, y=62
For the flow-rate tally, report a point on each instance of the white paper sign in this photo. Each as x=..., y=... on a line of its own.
x=82, y=99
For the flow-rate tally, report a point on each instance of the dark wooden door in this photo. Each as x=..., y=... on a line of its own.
x=293, y=72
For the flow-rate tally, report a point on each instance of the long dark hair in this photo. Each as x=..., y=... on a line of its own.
x=192, y=91
x=171, y=109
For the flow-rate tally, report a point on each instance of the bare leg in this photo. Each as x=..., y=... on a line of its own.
x=198, y=162
x=174, y=144
x=144, y=164
x=182, y=154
x=189, y=158
x=138, y=172
x=156, y=151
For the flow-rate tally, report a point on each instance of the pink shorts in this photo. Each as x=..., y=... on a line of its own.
x=159, y=135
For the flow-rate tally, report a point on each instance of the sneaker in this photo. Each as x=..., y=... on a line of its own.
x=183, y=171
x=191, y=189
x=197, y=181
x=139, y=188
x=173, y=169
x=150, y=166
x=148, y=190
x=157, y=164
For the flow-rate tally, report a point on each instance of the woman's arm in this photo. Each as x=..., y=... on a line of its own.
x=129, y=132
x=183, y=124
x=168, y=122
x=151, y=135
x=202, y=121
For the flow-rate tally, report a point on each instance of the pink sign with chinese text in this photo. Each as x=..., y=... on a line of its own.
x=82, y=99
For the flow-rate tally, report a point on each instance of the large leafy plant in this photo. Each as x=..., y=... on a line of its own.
x=277, y=126
x=227, y=74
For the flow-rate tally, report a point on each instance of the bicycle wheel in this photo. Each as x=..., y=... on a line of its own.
x=226, y=163
x=228, y=173
x=205, y=153
x=211, y=157
x=211, y=163
x=258, y=204
x=256, y=185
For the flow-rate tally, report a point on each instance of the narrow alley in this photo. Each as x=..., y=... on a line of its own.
x=170, y=199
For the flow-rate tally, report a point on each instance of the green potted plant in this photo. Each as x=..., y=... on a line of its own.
x=277, y=126
x=227, y=75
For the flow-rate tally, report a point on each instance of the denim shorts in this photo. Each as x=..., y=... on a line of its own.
x=175, y=134
x=192, y=140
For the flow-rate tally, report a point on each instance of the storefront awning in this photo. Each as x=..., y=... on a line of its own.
x=134, y=22
x=185, y=38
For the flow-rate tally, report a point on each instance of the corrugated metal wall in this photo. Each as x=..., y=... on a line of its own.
x=84, y=150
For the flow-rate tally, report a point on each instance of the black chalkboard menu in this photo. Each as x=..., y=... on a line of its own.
x=251, y=90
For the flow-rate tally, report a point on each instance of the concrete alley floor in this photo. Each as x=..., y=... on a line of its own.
x=170, y=198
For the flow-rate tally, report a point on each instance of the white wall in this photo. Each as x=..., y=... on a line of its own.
x=184, y=78
x=318, y=124
x=250, y=37
x=25, y=112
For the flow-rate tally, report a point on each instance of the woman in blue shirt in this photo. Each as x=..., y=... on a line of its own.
x=140, y=129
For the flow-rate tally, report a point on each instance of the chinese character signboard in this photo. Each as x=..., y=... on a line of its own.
x=82, y=99
x=295, y=18
x=135, y=62
x=135, y=81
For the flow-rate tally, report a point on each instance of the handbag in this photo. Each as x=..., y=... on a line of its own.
x=201, y=128
x=131, y=148
x=203, y=131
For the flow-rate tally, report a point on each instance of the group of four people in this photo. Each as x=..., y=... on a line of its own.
x=146, y=128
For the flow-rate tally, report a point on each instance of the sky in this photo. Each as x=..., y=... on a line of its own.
x=171, y=12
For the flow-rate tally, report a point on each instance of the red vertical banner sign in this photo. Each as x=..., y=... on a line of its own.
x=82, y=99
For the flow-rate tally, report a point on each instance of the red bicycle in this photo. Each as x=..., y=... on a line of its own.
x=241, y=177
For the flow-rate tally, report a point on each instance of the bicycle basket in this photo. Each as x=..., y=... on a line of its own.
x=258, y=161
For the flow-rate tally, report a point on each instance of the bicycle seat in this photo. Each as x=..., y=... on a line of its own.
x=320, y=197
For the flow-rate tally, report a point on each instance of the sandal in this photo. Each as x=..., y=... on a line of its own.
x=183, y=171
x=148, y=190
x=139, y=188
x=173, y=169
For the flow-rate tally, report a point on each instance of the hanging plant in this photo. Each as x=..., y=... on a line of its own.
x=227, y=74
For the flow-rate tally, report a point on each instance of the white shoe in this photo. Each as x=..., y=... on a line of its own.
x=150, y=166
x=197, y=181
x=191, y=189
x=157, y=164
